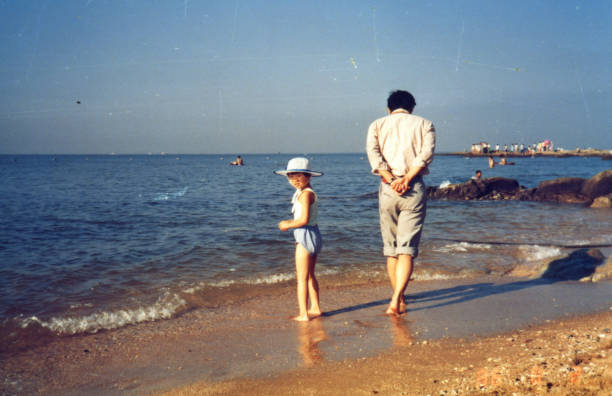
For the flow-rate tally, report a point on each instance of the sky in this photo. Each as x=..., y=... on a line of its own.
x=241, y=76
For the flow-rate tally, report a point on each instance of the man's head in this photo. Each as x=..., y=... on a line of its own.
x=401, y=100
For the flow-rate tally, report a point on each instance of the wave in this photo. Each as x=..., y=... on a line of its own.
x=524, y=251
x=463, y=247
x=539, y=252
x=168, y=196
x=578, y=244
x=444, y=184
x=165, y=307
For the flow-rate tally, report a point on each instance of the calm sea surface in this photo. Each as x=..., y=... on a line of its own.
x=99, y=242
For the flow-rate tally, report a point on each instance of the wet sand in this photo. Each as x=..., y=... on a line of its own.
x=564, y=357
x=252, y=346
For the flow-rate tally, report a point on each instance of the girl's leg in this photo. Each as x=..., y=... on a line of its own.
x=313, y=288
x=301, y=273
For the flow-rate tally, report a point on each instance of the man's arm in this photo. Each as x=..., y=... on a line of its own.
x=377, y=161
x=423, y=159
x=425, y=156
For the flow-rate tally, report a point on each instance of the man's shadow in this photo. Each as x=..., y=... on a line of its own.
x=577, y=265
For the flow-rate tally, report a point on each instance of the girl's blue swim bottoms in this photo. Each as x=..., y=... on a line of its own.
x=310, y=238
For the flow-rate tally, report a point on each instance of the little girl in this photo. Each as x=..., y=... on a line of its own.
x=306, y=233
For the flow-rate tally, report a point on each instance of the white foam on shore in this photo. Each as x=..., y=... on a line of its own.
x=445, y=184
x=261, y=280
x=462, y=247
x=271, y=279
x=539, y=252
x=165, y=307
x=426, y=276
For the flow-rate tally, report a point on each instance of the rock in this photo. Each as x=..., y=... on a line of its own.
x=603, y=272
x=501, y=185
x=492, y=188
x=598, y=185
x=572, y=190
x=577, y=265
x=564, y=190
x=469, y=190
x=602, y=202
x=526, y=194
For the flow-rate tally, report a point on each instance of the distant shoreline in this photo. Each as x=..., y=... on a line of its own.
x=604, y=154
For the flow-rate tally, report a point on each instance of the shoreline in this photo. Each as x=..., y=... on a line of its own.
x=252, y=340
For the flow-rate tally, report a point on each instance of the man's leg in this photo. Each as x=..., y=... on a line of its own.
x=400, y=270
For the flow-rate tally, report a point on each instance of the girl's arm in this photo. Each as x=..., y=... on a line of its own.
x=305, y=199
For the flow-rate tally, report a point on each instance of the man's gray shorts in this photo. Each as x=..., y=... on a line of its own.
x=402, y=218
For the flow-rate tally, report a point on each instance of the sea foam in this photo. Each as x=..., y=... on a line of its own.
x=165, y=307
x=539, y=252
x=168, y=196
x=462, y=247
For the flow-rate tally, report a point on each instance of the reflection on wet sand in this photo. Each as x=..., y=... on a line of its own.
x=309, y=336
x=400, y=331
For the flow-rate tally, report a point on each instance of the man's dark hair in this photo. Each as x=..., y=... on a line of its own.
x=401, y=100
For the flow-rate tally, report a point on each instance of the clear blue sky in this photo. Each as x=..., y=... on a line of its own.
x=244, y=76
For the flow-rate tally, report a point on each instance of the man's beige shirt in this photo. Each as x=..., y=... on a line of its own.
x=400, y=141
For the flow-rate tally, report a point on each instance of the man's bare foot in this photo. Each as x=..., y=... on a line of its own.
x=392, y=311
x=301, y=318
x=314, y=314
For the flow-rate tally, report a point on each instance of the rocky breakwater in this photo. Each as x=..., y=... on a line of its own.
x=585, y=265
x=595, y=192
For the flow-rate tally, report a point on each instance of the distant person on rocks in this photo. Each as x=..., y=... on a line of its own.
x=477, y=175
x=400, y=147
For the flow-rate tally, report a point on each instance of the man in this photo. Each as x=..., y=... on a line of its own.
x=400, y=146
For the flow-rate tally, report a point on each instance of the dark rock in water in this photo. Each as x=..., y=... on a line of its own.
x=579, y=264
x=565, y=190
x=492, y=188
x=470, y=190
x=501, y=185
x=598, y=185
x=606, y=157
x=526, y=194
x=571, y=190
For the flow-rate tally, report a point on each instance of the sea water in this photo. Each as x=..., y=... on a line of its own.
x=99, y=242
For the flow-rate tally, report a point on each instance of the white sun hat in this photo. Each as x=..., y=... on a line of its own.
x=298, y=165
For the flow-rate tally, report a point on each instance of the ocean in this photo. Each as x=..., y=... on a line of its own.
x=97, y=242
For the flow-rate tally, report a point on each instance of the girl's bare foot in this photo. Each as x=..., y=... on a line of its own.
x=301, y=318
x=314, y=314
x=402, y=307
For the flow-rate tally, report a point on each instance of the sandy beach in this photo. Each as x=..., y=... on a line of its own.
x=565, y=357
x=458, y=336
